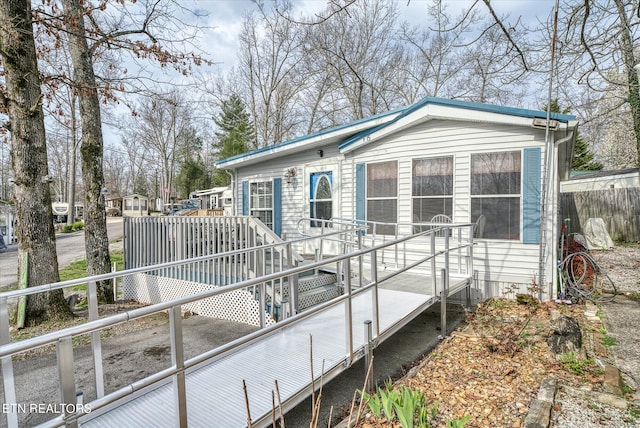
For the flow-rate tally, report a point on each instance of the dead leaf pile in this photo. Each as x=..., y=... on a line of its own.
x=465, y=377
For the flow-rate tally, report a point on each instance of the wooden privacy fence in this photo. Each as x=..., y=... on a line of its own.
x=619, y=208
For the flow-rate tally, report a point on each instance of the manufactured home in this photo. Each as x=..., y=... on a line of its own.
x=217, y=199
x=135, y=205
x=343, y=236
x=437, y=161
x=608, y=195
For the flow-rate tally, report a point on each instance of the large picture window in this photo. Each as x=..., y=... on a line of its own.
x=382, y=195
x=496, y=194
x=432, y=188
x=321, y=205
x=261, y=201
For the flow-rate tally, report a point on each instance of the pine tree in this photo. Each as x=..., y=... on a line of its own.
x=235, y=135
x=582, y=156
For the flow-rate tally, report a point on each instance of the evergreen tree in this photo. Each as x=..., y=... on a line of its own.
x=235, y=134
x=192, y=176
x=582, y=156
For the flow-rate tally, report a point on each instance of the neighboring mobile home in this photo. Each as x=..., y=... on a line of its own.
x=609, y=195
x=216, y=198
x=135, y=205
x=437, y=159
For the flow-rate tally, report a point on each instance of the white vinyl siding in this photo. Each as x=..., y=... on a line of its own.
x=506, y=260
x=295, y=195
x=500, y=261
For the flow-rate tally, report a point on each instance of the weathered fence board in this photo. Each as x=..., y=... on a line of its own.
x=619, y=208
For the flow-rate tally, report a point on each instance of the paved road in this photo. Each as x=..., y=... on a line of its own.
x=69, y=246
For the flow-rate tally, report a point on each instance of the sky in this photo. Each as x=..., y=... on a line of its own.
x=221, y=23
x=224, y=17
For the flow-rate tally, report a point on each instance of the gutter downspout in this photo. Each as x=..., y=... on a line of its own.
x=550, y=158
x=232, y=176
x=548, y=148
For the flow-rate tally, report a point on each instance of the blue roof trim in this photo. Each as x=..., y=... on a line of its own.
x=309, y=136
x=512, y=111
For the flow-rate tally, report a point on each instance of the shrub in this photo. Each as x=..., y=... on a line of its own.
x=78, y=225
x=67, y=228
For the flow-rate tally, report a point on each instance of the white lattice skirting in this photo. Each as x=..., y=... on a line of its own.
x=236, y=305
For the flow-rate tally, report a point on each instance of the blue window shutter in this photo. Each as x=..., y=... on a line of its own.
x=360, y=191
x=531, y=196
x=245, y=198
x=277, y=206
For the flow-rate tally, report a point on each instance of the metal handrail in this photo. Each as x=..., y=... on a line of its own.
x=17, y=347
x=111, y=275
x=93, y=326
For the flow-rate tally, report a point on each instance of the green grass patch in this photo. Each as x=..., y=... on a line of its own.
x=580, y=367
x=609, y=341
x=78, y=269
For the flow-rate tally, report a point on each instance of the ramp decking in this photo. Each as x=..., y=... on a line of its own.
x=214, y=389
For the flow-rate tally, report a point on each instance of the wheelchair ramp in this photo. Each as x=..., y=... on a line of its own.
x=214, y=390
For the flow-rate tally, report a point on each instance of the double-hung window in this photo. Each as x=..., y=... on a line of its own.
x=432, y=188
x=321, y=205
x=261, y=201
x=382, y=195
x=496, y=193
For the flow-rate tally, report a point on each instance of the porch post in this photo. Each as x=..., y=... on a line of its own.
x=444, y=280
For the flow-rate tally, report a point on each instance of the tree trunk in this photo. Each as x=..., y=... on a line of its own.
x=91, y=150
x=23, y=102
x=73, y=154
x=629, y=60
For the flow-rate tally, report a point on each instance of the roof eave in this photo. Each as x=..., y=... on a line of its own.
x=318, y=139
x=447, y=111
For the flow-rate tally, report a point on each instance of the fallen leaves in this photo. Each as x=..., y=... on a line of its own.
x=494, y=388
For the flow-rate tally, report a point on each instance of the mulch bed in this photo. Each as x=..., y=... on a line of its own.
x=492, y=367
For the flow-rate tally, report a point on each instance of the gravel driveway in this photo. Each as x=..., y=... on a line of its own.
x=621, y=318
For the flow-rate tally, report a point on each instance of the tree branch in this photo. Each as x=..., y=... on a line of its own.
x=320, y=18
x=506, y=33
x=583, y=39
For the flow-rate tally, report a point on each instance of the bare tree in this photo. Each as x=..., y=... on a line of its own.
x=598, y=40
x=161, y=127
x=91, y=149
x=437, y=55
x=21, y=99
x=360, y=51
x=270, y=55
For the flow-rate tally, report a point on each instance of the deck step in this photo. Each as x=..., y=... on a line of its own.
x=310, y=282
x=318, y=295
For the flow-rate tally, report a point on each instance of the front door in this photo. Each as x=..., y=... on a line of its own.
x=322, y=191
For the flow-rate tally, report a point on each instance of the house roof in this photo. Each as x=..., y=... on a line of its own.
x=580, y=175
x=135, y=195
x=355, y=134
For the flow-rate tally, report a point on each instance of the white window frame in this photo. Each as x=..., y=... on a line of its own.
x=381, y=230
x=414, y=198
x=312, y=192
x=253, y=210
x=518, y=196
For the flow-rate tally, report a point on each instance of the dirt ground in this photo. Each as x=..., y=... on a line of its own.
x=131, y=351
